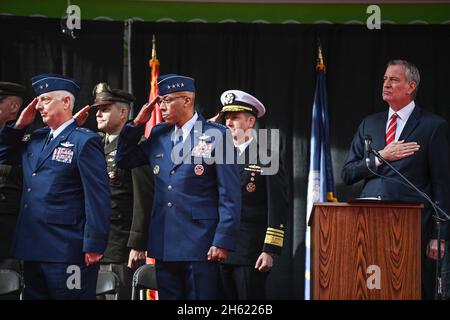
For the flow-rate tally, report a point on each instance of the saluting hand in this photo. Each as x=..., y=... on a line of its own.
x=27, y=115
x=216, y=118
x=81, y=116
x=91, y=258
x=146, y=112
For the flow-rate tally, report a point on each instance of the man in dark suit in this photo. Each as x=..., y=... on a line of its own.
x=196, y=211
x=11, y=98
x=416, y=143
x=63, y=222
x=264, y=203
x=132, y=192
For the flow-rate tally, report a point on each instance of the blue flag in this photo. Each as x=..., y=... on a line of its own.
x=320, y=179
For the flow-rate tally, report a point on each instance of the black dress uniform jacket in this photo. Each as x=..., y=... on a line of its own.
x=263, y=213
x=10, y=193
x=131, y=192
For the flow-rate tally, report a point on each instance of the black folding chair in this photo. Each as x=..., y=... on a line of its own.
x=144, y=278
x=11, y=284
x=108, y=283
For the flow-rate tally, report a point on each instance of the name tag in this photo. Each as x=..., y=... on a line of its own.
x=64, y=155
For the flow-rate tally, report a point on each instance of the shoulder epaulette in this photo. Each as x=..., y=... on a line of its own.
x=85, y=130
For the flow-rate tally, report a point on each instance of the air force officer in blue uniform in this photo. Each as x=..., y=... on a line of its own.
x=63, y=223
x=196, y=211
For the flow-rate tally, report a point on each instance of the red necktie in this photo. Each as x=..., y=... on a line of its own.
x=392, y=127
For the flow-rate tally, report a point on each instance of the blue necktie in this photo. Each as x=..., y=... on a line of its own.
x=49, y=139
x=177, y=137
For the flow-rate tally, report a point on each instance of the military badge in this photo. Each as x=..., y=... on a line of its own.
x=250, y=187
x=26, y=137
x=199, y=169
x=64, y=155
x=156, y=169
x=112, y=175
x=254, y=168
x=67, y=144
x=229, y=98
x=203, y=147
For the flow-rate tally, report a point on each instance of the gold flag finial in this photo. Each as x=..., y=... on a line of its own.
x=320, y=64
x=154, y=47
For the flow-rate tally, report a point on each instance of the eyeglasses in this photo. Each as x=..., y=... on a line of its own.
x=168, y=100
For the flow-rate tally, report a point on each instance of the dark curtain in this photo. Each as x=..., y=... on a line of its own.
x=276, y=63
x=30, y=46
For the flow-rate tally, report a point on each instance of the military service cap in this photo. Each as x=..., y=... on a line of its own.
x=170, y=83
x=237, y=100
x=104, y=95
x=48, y=82
x=12, y=89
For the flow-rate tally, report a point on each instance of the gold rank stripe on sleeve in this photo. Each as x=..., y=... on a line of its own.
x=275, y=231
x=273, y=240
x=274, y=237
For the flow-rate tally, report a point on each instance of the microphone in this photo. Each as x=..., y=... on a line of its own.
x=367, y=148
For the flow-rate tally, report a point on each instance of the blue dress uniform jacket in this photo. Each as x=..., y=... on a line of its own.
x=196, y=204
x=65, y=201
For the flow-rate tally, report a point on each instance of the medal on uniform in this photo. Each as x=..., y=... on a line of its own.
x=199, y=169
x=156, y=169
x=254, y=168
x=251, y=187
x=64, y=155
x=112, y=174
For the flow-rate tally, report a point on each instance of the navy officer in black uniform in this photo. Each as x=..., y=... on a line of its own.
x=264, y=203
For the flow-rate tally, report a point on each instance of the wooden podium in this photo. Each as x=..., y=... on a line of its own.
x=366, y=250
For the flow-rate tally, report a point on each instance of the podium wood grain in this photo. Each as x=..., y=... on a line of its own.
x=348, y=238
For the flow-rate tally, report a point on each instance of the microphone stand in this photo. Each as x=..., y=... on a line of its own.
x=437, y=217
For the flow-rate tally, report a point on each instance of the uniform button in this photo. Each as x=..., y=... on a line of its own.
x=169, y=188
x=169, y=204
x=172, y=172
x=25, y=205
x=34, y=174
x=29, y=189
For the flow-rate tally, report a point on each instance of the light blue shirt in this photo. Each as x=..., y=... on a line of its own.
x=61, y=128
x=187, y=127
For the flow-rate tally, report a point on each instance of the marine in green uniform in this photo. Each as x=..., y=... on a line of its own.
x=132, y=191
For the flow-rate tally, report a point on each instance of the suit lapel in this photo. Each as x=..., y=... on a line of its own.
x=48, y=150
x=379, y=131
x=411, y=124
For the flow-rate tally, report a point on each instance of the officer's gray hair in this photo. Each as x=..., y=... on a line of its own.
x=411, y=72
x=60, y=94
